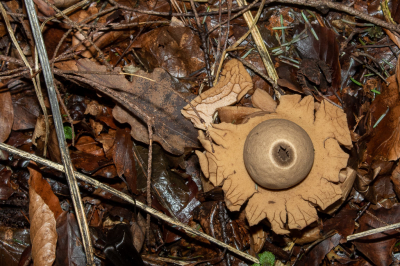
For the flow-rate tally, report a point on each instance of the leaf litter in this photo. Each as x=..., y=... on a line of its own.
x=153, y=66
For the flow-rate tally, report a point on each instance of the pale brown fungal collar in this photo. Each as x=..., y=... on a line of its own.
x=295, y=207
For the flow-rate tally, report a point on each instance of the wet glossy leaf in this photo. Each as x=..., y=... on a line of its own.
x=119, y=247
x=69, y=245
x=378, y=247
x=326, y=51
x=12, y=243
x=123, y=158
x=317, y=253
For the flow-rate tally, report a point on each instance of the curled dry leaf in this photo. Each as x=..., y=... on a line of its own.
x=235, y=82
x=156, y=95
x=6, y=115
x=44, y=208
x=385, y=143
x=288, y=207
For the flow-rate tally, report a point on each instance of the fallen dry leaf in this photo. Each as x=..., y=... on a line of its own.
x=385, y=143
x=123, y=158
x=26, y=111
x=69, y=246
x=175, y=49
x=88, y=145
x=378, y=247
x=317, y=254
x=234, y=83
x=154, y=95
x=44, y=208
x=6, y=115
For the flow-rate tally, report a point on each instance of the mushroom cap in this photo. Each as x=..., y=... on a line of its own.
x=278, y=154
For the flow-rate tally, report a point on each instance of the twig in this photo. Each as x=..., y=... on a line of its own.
x=148, y=191
x=127, y=198
x=73, y=185
x=203, y=43
x=262, y=49
x=79, y=28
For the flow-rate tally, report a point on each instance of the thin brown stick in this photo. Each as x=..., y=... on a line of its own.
x=148, y=191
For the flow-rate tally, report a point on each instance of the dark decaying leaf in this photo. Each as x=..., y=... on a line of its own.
x=396, y=180
x=6, y=115
x=342, y=222
x=385, y=143
x=317, y=253
x=26, y=111
x=378, y=247
x=381, y=190
x=216, y=221
x=6, y=189
x=154, y=95
x=92, y=164
x=12, y=243
x=171, y=188
x=326, y=50
x=69, y=245
x=119, y=247
x=175, y=49
x=123, y=158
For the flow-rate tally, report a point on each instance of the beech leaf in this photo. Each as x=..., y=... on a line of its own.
x=43, y=224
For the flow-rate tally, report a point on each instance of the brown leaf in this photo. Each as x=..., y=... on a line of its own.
x=69, y=246
x=175, y=49
x=26, y=111
x=93, y=164
x=138, y=232
x=343, y=222
x=6, y=115
x=88, y=145
x=326, y=51
x=153, y=94
x=123, y=158
x=378, y=247
x=385, y=143
x=12, y=243
x=102, y=113
x=43, y=210
x=317, y=254
x=6, y=189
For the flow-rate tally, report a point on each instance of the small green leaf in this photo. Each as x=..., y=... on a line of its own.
x=356, y=82
x=68, y=132
x=377, y=92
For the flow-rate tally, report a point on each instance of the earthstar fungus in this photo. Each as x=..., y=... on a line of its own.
x=278, y=154
x=303, y=148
